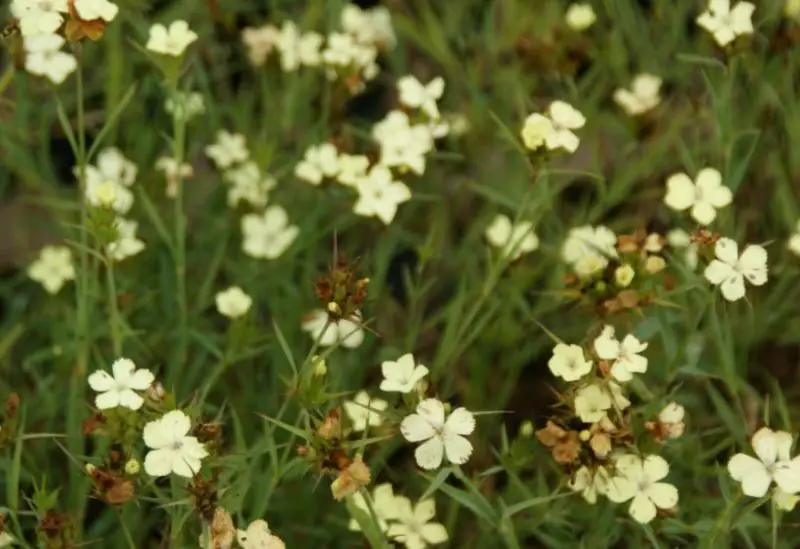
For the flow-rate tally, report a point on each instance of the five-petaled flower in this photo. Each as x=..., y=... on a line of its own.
x=172, y=40
x=642, y=97
x=233, y=302
x=639, y=479
x=401, y=375
x=269, y=234
x=319, y=161
x=514, y=239
x=442, y=437
x=120, y=389
x=43, y=57
x=588, y=249
x=774, y=464
x=704, y=196
x=379, y=194
x=420, y=96
x=729, y=269
x=568, y=362
x=726, y=24
x=228, y=149
x=625, y=354
x=173, y=450
x=365, y=411
x=52, y=268
x=415, y=527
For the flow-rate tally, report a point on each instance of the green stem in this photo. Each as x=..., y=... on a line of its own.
x=83, y=296
x=126, y=532
x=113, y=309
x=179, y=250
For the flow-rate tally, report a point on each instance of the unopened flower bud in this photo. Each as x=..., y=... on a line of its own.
x=90, y=469
x=132, y=467
x=526, y=429
x=623, y=276
x=320, y=367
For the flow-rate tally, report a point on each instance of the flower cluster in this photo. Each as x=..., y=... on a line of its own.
x=409, y=524
x=602, y=452
x=47, y=25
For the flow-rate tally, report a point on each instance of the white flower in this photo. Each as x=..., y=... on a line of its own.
x=43, y=57
x=233, y=302
x=297, y=49
x=372, y=26
x=783, y=501
x=565, y=118
x=639, y=478
x=319, y=162
x=113, y=166
x=260, y=42
x=120, y=389
x=185, y=105
x=268, y=235
x=39, y=16
x=568, y=362
x=352, y=168
x=90, y=10
x=384, y=503
x=444, y=437
x=513, y=240
x=170, y=41
x=704, y=196
x=415, y=95
x=249, y=185
x=774, y=464
x=107, y=183
x=364, y=411
x=7, y=540
x=730, y=269
x=172, y=449
x=678, y=238
x=591, y=403
x=379, y=194
x=625, y=354
x=794, y=241
x=402, y=145
x=589, y=483
x=535, y=130
x=588, y=249
x=173, y=173
x=414, y=527
x=259, y=536
x=791, y=9
x=401, y=375
x=126, y=245
x=580, y=17
x=52, y=268
x=344, y=332
x=671, y=419
x=724, y=23
x=623, y=275
x=643, y=96
x=228, y=149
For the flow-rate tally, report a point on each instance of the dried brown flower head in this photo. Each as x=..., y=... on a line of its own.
x=351, y=479
x=564, y=445
x=223, y=530
x=77, y=29
x=111, y=487
x=330, y=428
x=204, y=496
x=93, y=423
x=341, y=291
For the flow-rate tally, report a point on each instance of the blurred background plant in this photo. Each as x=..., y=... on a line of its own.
x=417, y=272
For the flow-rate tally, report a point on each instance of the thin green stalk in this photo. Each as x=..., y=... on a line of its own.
x=113, y=309
x=126, y=532
x=83, y=296
x=179, y=250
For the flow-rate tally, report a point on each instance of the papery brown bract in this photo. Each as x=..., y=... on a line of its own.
x=76, y=29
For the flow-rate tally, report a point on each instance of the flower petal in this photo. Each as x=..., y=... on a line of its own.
x=655, y=467
x=703, y=212
x=642, y=509
x=433, y=411
x=123, y=369
x=751, y=473
x=457, y=448
x=141, y=380
x=733, y=288
x=727, y=251
x=101, y=381
x=460, y=422
x=416, y=428
x=664, y=495
x=158, y=463
x=130, y=399
x=787, y=475
x=109, y=399
x=717, y=272
x=434, y=533
x=429, y=454
x=680, y=192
